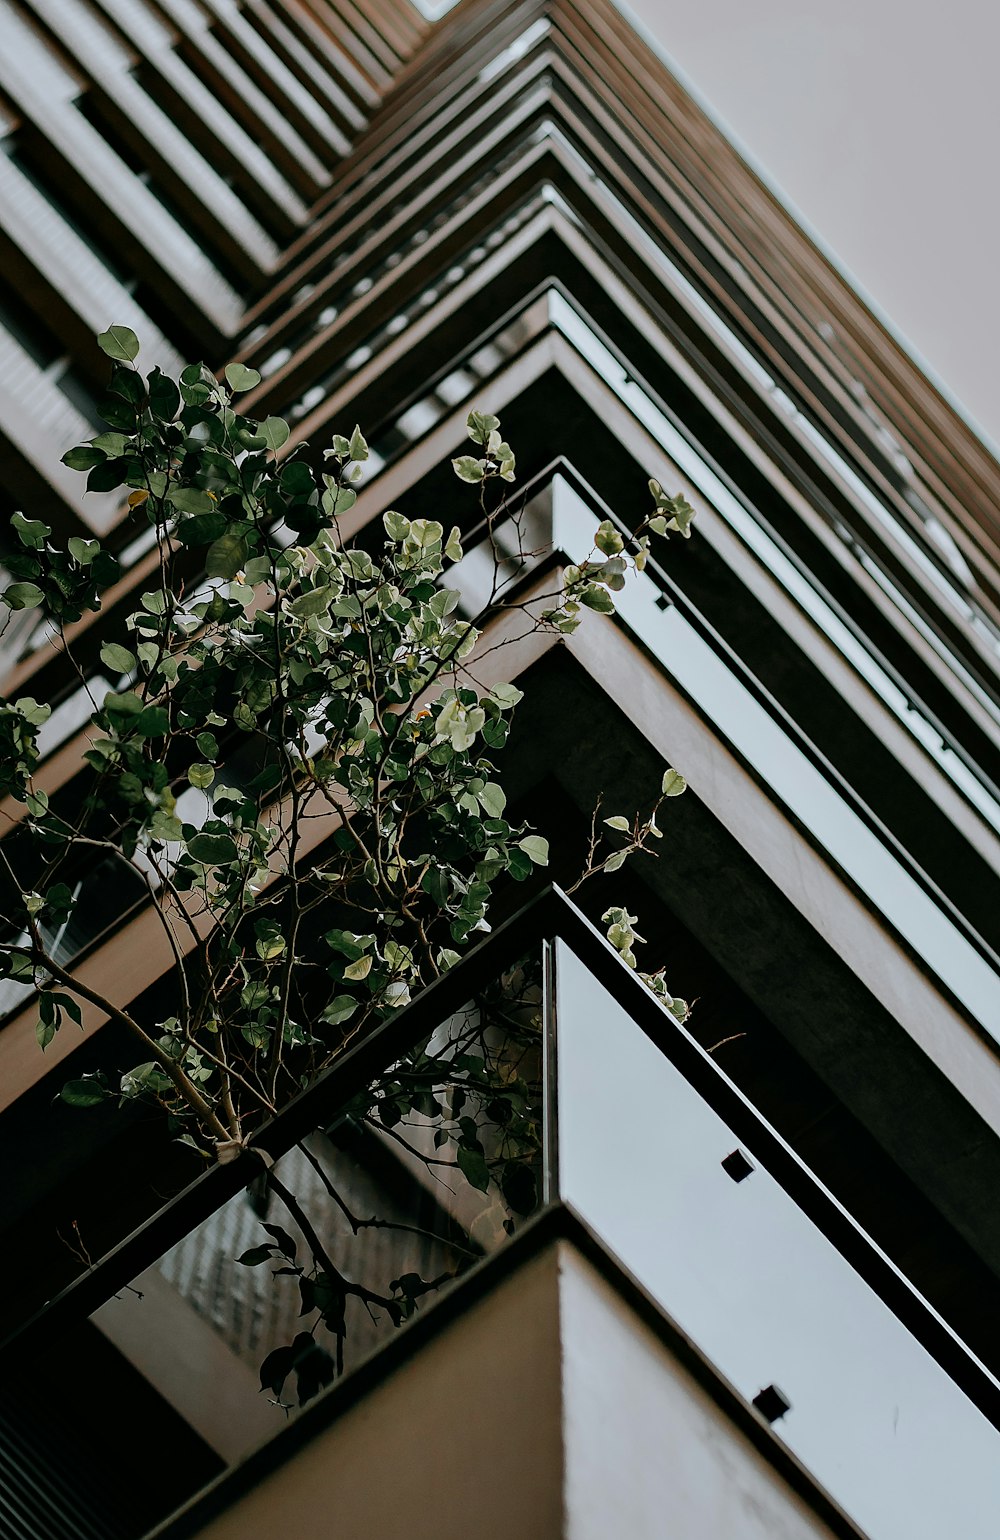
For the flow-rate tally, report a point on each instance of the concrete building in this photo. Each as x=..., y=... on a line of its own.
x=761, y=1300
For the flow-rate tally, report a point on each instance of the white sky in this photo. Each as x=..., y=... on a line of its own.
x=879, y=122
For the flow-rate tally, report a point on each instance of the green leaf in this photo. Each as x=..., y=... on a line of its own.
x=32, y=710
x=518, y=864
x=226, y=556
x=597, y=598
x=45, y=1031
x=82, y=551
x=213, y=849
x=22, y=596
x=312, y=603
x=492, y=799
x=240, y=378
x=506, y=695
x=614, y=862
x=359, y=969
x=83, y=1093
x=340, y=1008
x=453, y=546
x=112, y=445
x=275, y=432
x=536, y=848
x=117, y=658
x=201, y=775
x=256, y=1255
x=673, y=783
x=618, y=822
x=480, y=426
x=191, y=500
x=30, y=532
x=127, y=704
x=296, y=478
x=683, y=515
x=82, y=458
x=396, y=526
x=120, y=343
x=202, y=529
x=608, y=539
x=152, y=722
x=164, y=397
x=357, y=448
x=518, y=1187
x=472, y=1164
x=467, y=468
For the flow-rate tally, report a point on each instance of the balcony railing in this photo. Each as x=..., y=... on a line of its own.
x=538, y=1076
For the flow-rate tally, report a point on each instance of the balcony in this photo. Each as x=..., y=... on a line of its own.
x=534, y=1140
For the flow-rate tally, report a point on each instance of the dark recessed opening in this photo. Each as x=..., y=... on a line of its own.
x=771, y=1403
x=737, y=1166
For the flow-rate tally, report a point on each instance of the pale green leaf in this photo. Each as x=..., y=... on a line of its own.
x=191, y=500
x=493, y=799
x=23, y=596
x=117, y=658
x=341, y=1008
x=396, y=526
x=120, y=343
x=239, y=377
x=274, y=431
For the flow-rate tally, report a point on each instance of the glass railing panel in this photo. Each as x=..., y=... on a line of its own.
x=756, y=734
x=759, y=1288
x=291, y=1283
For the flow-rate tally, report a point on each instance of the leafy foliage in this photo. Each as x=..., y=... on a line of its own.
x=294, y=757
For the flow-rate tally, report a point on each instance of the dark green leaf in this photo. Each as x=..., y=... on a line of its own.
x=284, y=1241
x=83, y=1093
x=472, y=1164
x=226, y=556
x=153, y=722
x=82, y=458
x=213, y=849
x=202, y=529
x=256, y=1255
x=518, y=1186
x=276, y=1368
x=164, y=397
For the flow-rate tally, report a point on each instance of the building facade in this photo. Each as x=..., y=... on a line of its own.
x=763, y=1300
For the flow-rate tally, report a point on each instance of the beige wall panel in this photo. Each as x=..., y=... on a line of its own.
x=463, y=1441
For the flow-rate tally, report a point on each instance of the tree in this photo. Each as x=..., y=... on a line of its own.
x=294, y=757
